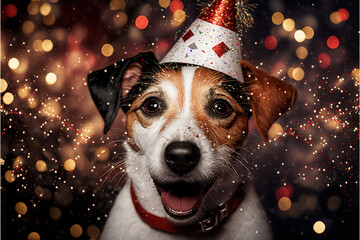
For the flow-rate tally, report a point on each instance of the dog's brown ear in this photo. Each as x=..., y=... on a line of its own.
x=109, y=87
x=269, y=97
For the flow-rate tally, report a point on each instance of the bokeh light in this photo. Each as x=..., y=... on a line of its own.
x=13, y=63
x=324, y=60
x=117, y=4
x=28, y=27
x=102, y=153
x=176, y=5
x=55, y=213
x=107, y=50
x=319, y=227
x=299, y=36
x=288, y=24
x=51, y=78
x=76, y=230
x=333, y=203
x=164, y=3
x=37, y=45
x=70, y=165
x=284, y=204
x=343, y=14
x=335, y=18
x=33, y=8
x=93, y=231
x=270, y=42
x=275, y=130
x=41, y=165
x=8, y=98
x=45, y=9
x=277, y=18
x=47, y=45
x=120, y=19
x=3, y=85
x=141, y=22
x=33, y=236
x=9, y=176
x=179, y=16
x=21, y=208
x=10, y=10
x=309, y=32
x=332, y=42
x=301, y=52
x=298, y=73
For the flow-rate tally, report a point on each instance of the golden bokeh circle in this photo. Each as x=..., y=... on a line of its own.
x=284, y=204
x=107, y=50
x=33, y=236
x=288, y=24
x=309, y=32
x=299, y=36
x=13, y=63
x=76, y=230
x=120, y=19
x=33, y=8
x=301, y=52
x=3, y=85
x=93, y=231
x=41, y=165
x=8, y=98
x=319, y=227
x=275, y=130
x=55, y=213
x=102, y=153
x=298, y=74
x=51, y=78
x=9, y=176
x=277, y=18
x=45, y=9
x=21, y=208
x=70, y=165
x=28, y=27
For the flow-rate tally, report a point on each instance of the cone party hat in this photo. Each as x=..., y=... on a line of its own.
x=212, y=40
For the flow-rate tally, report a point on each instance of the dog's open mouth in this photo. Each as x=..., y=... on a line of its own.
x=181, y=200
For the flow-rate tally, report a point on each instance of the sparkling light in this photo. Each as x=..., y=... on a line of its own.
x=299, y=36
x=41, y=166
x=8, y=98
x=47, y=45
x=51, y=78
x=23, y=92
x=33, y=236
x=76, y=230
x=3, y=85
x=70, y=165
x=45, y=9
x=21, y=208
x=14, y=63
x=277, y=18
x=309, y=32
x=288, y=24
x=107, y=50
x=141, y=22
x=298, y=74
x=319, y=227
x=301, y=52
x=284, y=204
x=164, y=3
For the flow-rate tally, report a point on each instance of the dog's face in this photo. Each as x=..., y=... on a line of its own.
x=185, y=128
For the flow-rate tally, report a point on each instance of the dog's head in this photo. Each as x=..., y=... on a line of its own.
x=185, y=125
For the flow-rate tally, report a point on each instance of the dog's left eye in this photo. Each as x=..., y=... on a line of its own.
x=221, y=108
x=151, y=106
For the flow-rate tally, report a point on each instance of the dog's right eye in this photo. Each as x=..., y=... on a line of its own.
x=152, y=106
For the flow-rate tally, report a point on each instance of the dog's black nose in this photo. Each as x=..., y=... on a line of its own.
x=182, y=157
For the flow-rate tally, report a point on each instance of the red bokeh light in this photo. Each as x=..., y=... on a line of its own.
x=10, y=10
x=332, y=42
x=286, y=191
x=176, y=5
x=324, y=60
x=141, y=22
x=270, y=42
x=343, y=14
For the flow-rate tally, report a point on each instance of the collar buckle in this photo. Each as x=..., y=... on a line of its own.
x=212, y=221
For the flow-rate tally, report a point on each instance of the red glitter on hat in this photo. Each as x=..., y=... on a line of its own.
x=221, y=13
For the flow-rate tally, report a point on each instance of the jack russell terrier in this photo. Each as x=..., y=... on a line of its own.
x=185, y=126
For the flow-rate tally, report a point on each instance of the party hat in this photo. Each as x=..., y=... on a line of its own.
x=213, y=39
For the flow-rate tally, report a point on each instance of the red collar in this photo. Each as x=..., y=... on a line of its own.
x=217, y=215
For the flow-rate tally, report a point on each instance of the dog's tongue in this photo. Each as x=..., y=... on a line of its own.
x=181, y=203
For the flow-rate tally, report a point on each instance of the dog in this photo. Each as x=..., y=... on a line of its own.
x=185, y=126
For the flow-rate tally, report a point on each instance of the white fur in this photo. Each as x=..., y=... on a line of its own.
x=248, y=222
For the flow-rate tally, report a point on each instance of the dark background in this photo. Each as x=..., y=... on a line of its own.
x=316, y=157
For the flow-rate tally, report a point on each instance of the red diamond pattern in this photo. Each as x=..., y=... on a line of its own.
x=188, y=35
x=220, y=49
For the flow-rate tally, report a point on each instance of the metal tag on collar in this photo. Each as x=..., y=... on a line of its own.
x=209, y=223
x=223, y=209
